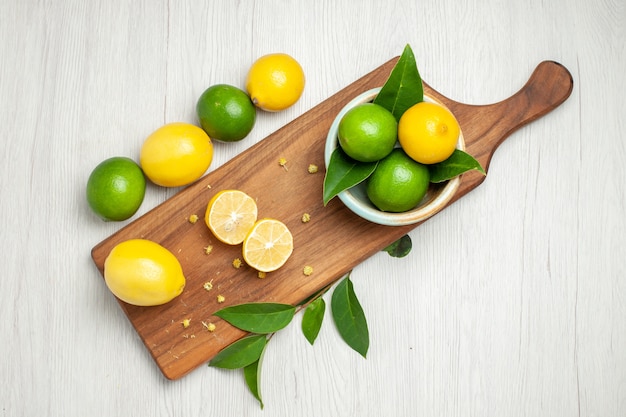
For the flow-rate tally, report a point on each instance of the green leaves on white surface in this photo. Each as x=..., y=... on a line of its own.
x=264, y=319
x=349, y=317
x=313, y=318
x=252, y=375
x=400, y=248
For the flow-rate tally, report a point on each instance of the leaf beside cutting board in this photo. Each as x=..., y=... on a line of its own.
x=400, y=248
x=349, y=317
x=312, y=319
x=252, y=375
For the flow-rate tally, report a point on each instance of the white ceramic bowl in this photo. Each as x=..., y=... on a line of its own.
x=355, y=198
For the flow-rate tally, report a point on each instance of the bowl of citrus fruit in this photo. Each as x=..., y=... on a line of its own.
x=384, y=164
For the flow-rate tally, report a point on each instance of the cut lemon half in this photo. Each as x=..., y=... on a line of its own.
x=268, y=245
x=230, y=215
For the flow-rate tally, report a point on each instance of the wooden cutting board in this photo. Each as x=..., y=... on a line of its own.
x=333, y=242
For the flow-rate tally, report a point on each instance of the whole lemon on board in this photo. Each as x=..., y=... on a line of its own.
x=116, y=188
x=176, y=154
x=367, y=132
x=143, y=273
x=226, y=113
x=398, y=183
x=275, y=82
x=428, y=132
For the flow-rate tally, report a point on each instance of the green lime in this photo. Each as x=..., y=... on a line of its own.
x=116, y=188
x=226, y=113
x=398, y=183
x=367, y=132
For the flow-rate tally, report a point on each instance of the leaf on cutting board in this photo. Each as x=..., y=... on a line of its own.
x=458, y=163
x=403, y=88
x=344, y=172
x=349, y=317
x=240, y=353
x=258, y=317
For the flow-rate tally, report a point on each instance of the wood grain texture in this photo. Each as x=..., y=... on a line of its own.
x=333, y=242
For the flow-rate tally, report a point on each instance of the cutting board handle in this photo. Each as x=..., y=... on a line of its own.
x=485, y=127
x=549, y=85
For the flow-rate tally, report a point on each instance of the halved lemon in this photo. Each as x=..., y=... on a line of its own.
x=268, y=245
x=230, y=215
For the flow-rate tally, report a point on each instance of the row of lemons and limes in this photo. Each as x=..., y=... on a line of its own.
x=427, y=133
x=142, y=272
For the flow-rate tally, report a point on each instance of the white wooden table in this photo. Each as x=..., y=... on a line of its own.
x=512, y=302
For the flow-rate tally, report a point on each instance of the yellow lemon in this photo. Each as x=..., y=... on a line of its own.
x=268, y=245
x=275, y=82
x=176, y=154
x=428, y=132
x=230, y=215
x=142, y=272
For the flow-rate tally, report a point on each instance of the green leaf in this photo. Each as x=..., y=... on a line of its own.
x=312, y=319
x=458, y=163
x=252, y=375
x=404, y=87
x=344, y=172
x=400, y=248
x=258, y=317
x=349, y=317
x=240, y=353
